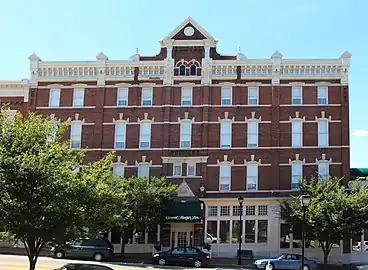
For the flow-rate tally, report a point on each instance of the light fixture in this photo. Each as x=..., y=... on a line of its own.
x=240, y=200
x=304, y=200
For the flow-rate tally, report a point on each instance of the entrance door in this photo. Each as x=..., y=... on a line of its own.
x=182, y=239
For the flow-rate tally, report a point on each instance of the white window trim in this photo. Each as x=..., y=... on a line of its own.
x=182, y=95
x=80, y=135
x=256, y=164
x=301, y=95
x=140, y=134
x=229, y=164
x=190, y=135
x=119, y=164
x=301, y=132
x=328, y=132
x=257, y=89
x=300, y=163
x=50, y=97
x=181, y=169
x=74, y=92
x=231, y=95
x=230, y=132
x=117, y=97
x=115, y=134
x=142, y=100
x=323, y=87
x=195, y=168
x=257, y=123
x=144, y=163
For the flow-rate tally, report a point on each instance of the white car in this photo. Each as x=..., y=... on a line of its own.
x=211, y=239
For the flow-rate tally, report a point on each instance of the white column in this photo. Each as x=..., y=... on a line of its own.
x=34, y=63
x=276, y=67
x=101, y=69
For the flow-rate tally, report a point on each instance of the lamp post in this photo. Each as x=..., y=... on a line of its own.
x=304, y=201
x=240, y=200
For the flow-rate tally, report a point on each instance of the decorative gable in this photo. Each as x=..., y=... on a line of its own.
x=185, y=190
x=189, y=30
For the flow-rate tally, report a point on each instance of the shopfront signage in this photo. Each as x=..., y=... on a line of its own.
x=183, y=218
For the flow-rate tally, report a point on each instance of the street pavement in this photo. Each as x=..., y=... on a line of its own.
x=18, y=262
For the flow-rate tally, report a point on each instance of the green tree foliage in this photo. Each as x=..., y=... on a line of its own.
x=334, y=211
x=147, y=202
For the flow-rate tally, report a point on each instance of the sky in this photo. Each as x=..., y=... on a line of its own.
x=79, y=29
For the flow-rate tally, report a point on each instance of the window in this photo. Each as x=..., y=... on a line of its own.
x=225, y=176
x=323, y=170
x=224, y=210
x=54, y=98
x=212, y=211
x=177, y=169
x=122, y=99
x=237, y=211
x=193, y=70
x=147, y=96
x=191, y=169
x=224, y=231
x=186, y=96
x=252, y=176
x=226, y=96
x=262, y=231
x=252, y=134
x=78, y=99
x=250, y=210
x=262, y=210
x=252, y=96
x=143, y=170
x=76, y=135
x=322, y=95
x=145, y=135
x=225, y=129
x=120, y=131
x=185, y=134
x=296, y=174
x=118, y=170
x=297, y=133
x=235, y=231
x=250, y=231
x=182, y=70
x=296, y=95
x=323, y=133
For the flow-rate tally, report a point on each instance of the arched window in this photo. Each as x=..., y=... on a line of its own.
x=193, y=70
x=182, y=70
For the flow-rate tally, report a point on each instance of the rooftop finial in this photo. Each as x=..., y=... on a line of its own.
x=239, y=49
x=137, y=51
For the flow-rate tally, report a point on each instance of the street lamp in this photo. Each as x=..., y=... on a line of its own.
x=304, y=201
x=240, y=200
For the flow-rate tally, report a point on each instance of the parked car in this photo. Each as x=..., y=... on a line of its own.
x=83, y=266
x=96, y=249
x=286, y=261
x=211, y=239
x=182, y=256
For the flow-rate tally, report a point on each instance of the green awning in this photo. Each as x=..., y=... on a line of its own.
x=184, y=212
x=358, y=172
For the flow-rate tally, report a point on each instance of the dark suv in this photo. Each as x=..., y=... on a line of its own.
x=96, y=249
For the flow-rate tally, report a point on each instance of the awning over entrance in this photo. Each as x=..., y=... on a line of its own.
x=358, y=172
x=184, y=212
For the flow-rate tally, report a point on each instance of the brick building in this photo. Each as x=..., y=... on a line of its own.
x=219, y=126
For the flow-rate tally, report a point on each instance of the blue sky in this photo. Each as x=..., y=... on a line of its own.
x=80, y=29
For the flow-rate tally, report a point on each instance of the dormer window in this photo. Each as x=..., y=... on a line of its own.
x=182, y=70
x=193, y=70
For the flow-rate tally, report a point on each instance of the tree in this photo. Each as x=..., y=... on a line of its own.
x=41, y=198
x=147, y=202
x=333, y=214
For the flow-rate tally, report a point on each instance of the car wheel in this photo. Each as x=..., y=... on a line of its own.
x=161, y=261
x=98, y=257
x=60, y=254
x=306, y=267
x=197, y=263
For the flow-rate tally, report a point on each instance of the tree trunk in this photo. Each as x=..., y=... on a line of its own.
x=325, y=257
x=33, y=249
x=326, y=248
x=122, y=250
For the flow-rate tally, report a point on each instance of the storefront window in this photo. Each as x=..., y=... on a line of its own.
x=250, y=231
x=152, y=237
x=284, y=235
x=211, y=231
x=262, y=231
x=224, y=231
x=297, y=237
x=115, y=236
x=235, y=232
